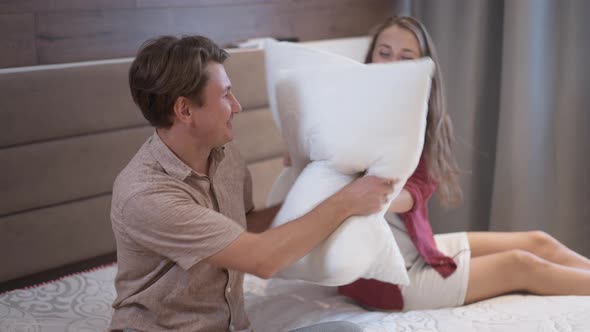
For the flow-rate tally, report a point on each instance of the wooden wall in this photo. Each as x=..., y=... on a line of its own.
x=36, y=32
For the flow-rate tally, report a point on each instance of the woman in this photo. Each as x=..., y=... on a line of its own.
x=459, y=268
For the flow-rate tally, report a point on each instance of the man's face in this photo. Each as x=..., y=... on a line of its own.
x=212, y=121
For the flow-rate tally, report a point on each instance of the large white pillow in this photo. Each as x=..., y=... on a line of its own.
x=340, y=118
x=280, y=56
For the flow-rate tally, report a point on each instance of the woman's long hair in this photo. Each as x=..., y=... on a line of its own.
x=438, y=153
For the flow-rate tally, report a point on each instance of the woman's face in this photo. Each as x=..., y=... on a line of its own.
x=396, y=44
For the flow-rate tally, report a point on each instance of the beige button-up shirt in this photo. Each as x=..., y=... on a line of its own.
x=167, y=220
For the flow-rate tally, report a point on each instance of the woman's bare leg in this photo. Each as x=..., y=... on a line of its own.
x=536, y=242
x=519, y=270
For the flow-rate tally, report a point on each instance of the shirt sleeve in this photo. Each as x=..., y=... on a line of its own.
x=420, y=186
x=172, y=224
x=248, y=195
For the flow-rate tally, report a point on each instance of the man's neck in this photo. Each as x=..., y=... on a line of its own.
x=191, y=153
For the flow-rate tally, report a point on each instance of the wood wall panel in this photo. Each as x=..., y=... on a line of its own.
x=62, y=31
x=90, y=35
x=17, y=40
x=34, y=6
x=192, y=3
x=338, y=19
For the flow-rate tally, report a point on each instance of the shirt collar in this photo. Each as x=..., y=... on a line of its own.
x=176, y=167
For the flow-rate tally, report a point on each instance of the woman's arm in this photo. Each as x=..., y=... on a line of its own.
x=404, y=202
x=416, y=193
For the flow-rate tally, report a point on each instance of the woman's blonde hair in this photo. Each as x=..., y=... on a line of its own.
x=438, y=153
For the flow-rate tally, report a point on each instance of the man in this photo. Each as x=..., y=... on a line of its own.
x=182, y=209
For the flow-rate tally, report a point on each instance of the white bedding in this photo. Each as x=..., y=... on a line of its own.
x=81, y=303
x=280, y=305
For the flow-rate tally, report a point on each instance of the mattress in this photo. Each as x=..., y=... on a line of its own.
x=82, y=302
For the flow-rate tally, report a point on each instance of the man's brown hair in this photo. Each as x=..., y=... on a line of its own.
x=168, y=67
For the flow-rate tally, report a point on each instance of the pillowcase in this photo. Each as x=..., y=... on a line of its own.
x=340, y=119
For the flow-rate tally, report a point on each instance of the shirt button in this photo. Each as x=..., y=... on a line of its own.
x=231, y=327
x=228, y=289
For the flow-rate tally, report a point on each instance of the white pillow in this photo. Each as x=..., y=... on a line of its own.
x=281, y=56
x=340, y=118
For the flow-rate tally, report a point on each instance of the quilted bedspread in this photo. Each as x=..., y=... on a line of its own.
x=82, y=303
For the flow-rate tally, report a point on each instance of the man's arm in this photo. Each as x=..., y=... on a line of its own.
x=259, y=221
x=266, y=253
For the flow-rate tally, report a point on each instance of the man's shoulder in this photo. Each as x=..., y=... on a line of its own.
x=141, y=174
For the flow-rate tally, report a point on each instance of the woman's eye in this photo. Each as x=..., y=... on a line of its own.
x=384, y=54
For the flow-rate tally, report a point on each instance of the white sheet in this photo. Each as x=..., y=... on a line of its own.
x=82, y=303
x=281, y=305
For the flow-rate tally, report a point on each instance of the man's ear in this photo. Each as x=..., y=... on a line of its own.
x=182, y=110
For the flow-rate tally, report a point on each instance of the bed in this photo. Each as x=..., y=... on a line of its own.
x=81, y=302
x=69, y=129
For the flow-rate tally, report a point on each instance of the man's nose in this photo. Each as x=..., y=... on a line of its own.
x=236, y=104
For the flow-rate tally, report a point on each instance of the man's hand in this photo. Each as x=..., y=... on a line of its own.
x=366, y=195
x=264, y=254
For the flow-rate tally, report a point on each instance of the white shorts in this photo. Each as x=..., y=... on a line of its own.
x=428, y=289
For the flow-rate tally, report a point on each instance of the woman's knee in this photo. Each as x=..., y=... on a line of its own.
x=525, y=261
x=521, y=265
x=542, y=243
